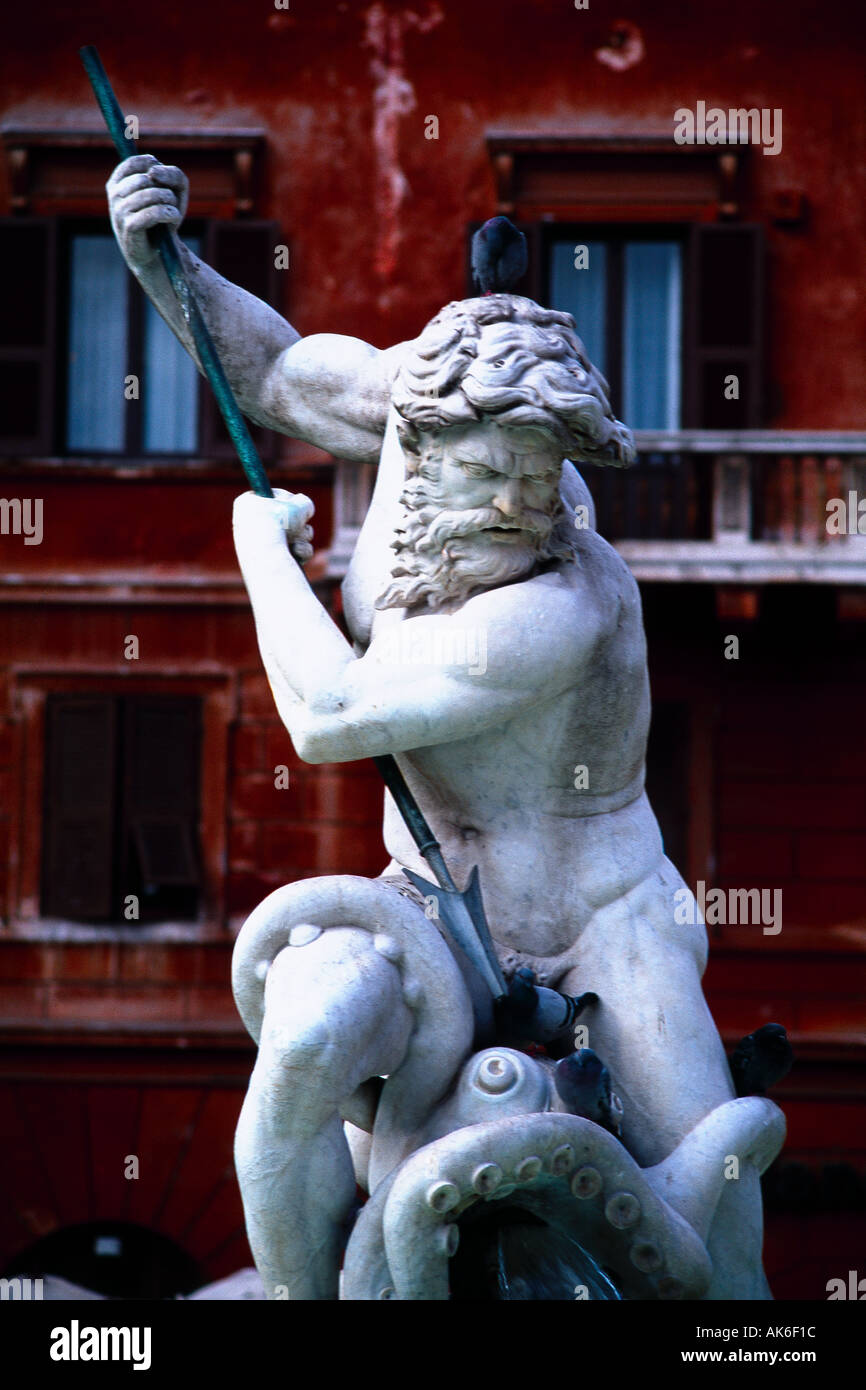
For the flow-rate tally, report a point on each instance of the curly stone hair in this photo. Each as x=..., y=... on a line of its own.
x=506, y=357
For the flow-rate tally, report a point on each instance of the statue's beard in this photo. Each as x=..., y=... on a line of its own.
x=443, y=556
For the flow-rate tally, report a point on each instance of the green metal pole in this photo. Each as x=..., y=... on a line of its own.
x=170, y=257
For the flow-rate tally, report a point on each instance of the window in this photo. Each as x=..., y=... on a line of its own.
x=74, y=324
x=113, y=333
x=671, y=306
x=121, y=808
x=625, y=291
x=669, y=314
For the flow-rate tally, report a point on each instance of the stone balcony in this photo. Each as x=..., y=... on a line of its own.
x=705, y=507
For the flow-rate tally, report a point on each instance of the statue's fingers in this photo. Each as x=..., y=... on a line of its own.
x=148, y=198
x=136, y=164
x=302, y=551
x=131, y=184
x=168, y=174
x=162, y=214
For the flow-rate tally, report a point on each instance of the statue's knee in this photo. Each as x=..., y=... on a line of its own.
x=334, y=1015
x=300, y=1052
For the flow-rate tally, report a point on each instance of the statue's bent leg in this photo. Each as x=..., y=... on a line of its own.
x=655, y=1032
x=334, y=1016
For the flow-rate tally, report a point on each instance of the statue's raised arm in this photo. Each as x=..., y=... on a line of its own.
x=328, y=389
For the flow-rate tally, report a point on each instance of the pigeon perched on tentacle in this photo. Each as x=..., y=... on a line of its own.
x=499, y=257
x=583, y=1083
x=760, y=1060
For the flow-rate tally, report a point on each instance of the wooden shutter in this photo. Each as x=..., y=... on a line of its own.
x=724, y=326
x=160, y=798
x=77, y=861
x=243, y=253
x=28, y=279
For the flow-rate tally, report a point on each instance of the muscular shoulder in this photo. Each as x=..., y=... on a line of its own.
x=600, y=568
x=333, y=391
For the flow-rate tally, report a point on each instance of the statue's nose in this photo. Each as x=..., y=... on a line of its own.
x=508, y=499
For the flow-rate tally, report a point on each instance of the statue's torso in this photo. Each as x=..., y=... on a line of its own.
x=553, y=844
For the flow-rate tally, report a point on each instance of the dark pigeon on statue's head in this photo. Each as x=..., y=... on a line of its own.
x=499, y=256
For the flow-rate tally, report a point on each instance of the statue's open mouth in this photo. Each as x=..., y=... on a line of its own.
x=615, y=1229
x=510, y=1254
x=599, y=1212
x=500, y=530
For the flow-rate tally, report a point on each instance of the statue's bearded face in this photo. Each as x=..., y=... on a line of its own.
x=480, y=510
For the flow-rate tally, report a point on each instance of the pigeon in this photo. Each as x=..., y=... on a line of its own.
x=499, y=257
x=760, y=1060
x=521, y=1014
x=583, y=1083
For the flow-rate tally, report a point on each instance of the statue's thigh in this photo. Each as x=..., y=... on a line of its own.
x=334, y=1016
x=652, y=1027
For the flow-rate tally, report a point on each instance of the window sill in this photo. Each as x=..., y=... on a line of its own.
x=298, y=459
x=52, y=929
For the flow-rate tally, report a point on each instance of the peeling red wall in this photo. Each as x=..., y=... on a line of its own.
x=375, y=213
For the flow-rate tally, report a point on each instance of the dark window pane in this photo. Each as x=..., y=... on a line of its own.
x=23, y=306
x=79, y=808
x=165, y=850
x=727, y=302
x=160, y=805
x=21, y=394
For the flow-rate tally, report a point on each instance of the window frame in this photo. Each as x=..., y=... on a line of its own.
x=29, y=690
x=118, y=811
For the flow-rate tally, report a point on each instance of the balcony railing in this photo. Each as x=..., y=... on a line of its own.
x=706, y=506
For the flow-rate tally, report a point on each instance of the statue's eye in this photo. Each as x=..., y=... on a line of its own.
x=477, y=470
x=500, y=362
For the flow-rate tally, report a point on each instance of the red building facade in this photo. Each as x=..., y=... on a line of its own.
x=339, y=157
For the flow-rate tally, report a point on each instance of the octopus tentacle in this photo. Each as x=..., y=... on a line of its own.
x=646, y=1225
x=433, y=988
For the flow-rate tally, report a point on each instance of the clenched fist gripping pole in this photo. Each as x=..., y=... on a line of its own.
x=536, y=1012
x=164, y=239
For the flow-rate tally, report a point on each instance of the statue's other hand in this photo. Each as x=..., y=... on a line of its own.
x=144, y=194
x=257, y=520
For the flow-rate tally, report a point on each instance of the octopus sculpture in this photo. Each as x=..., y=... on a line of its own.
x=474, y=1146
